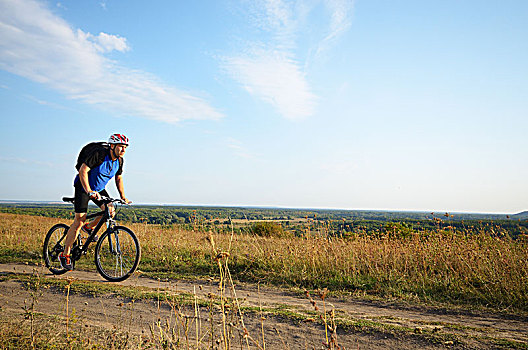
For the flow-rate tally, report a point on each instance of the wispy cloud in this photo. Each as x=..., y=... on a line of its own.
x=38, y=45
x=276, y=79
x=239, y=149
x=340, y=22
x=25, y=161
x=47, y=103
x=275, y=71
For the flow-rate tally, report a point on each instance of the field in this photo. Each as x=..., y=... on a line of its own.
x=478, y=266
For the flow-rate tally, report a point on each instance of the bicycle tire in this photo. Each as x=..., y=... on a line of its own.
x=53, y=246
x=117, y=254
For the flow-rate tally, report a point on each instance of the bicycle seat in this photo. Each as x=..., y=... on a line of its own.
x=68, y=199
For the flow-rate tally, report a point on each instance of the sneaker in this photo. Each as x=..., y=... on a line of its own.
x=88, y=231
x=65, y=261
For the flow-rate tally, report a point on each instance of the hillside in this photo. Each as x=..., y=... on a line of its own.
x=520, y=216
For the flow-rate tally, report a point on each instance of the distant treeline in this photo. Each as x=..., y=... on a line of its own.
x=297, y=221
x=160, y=214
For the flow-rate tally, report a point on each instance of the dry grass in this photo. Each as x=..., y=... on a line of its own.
x=467, y=268
x=51, y=333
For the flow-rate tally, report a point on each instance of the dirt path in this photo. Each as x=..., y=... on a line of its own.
x=389, y=325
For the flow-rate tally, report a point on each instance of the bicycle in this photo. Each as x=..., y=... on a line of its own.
x=117, y=252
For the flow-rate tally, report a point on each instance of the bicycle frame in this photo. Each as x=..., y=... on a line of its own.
x=105, y=219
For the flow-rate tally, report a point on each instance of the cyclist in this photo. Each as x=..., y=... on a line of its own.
x=94, y=173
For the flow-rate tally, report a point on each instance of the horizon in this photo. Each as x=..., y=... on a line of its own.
x=408, y=106
x=436, y=212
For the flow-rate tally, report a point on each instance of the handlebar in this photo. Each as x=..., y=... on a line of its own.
x=104, y=199
x=113, y=200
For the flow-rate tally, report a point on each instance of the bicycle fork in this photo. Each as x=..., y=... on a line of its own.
x=113, y=244
x=115, y=249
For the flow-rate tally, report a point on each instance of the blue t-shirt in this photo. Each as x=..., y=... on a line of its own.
x=100, y=175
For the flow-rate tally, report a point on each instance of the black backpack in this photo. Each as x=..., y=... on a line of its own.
x=88, y=150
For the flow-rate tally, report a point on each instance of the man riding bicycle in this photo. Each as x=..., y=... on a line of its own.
x=94, y=174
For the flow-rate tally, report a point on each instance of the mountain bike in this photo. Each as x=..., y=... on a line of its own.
x=117, y=251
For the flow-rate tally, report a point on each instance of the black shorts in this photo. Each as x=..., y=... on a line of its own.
x=82, y=198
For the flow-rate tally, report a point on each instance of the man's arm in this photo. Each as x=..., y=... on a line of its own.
x=121, y=187
x=83, y=177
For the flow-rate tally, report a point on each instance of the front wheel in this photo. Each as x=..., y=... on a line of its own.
x=117, y=254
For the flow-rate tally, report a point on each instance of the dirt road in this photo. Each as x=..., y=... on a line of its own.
x=289, y=322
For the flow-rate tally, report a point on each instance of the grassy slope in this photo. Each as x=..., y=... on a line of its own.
x=441, y=266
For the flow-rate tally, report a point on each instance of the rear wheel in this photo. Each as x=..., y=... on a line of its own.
x=117, y=254
x=53, y=246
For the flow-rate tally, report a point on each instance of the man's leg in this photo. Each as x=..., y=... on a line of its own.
x=73, y=231
x=90, y=225
x=81, y=207
x=71, y=235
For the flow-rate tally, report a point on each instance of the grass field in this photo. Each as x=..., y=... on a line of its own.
x=443, y=265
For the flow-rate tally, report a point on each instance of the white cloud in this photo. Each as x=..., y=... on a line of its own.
x=40, y=46
x=276, y=79
x=279, y=16
x=275, y=72
x=105, y=42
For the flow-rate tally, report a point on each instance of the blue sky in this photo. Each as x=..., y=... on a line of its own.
x=367, y=104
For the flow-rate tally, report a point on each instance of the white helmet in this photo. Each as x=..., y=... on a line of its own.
x=118, y=139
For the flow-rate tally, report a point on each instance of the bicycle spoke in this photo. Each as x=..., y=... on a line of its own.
x=127, y=261
x=120, y=263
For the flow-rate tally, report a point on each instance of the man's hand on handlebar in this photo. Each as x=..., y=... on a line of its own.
x=97, y=196
x=94, y=195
